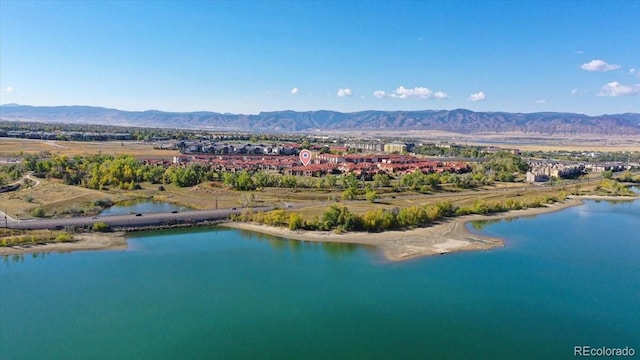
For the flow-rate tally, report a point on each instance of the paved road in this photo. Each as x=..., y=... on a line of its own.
x=153, y=219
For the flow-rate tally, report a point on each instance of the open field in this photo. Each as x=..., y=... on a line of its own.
x=605, y=146
x=11, y=147
x=462, y=198
x=52, y=195
x=522, y=141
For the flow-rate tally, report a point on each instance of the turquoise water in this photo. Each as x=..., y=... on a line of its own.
x=142, y=207
x=563, y=279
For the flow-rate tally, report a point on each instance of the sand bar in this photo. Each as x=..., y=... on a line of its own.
x=86, y=241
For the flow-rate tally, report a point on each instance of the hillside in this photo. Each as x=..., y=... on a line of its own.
x=459, y=121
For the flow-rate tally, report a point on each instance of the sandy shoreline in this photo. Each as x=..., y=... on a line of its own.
x=450, y=235
x=86, y=241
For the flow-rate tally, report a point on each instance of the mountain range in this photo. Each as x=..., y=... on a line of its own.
x=458, y=121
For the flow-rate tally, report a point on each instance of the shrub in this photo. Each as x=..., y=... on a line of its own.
x=103, y=203
x=63, y=237
x=38, y=212
x=100, y=227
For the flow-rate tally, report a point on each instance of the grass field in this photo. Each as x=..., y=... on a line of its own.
x=52, y=196
x=10, y=147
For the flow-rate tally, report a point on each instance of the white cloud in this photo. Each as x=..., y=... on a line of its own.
x=479, y=96
x=614, y=88
x=344, y=92
x=599, y=65
x=9, y=89
x=579, y=52
x=417, y=93
x=379, y=94
x=440, y=95
x=574, y=91
x=541, y=101
x=295, y=90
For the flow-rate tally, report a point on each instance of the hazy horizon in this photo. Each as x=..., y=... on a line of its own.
x=319, y=110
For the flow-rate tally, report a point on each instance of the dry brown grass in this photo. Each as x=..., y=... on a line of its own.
x=51, y=195
x=609, y=147
x=461, y=198
x=10, y=147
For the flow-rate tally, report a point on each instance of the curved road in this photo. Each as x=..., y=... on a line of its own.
x=153, y=219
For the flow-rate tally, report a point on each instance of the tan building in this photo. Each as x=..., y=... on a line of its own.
x=395, y=148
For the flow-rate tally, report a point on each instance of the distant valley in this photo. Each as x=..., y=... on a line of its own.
x=457, y=121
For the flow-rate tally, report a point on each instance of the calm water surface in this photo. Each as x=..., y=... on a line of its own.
x=563, y=279
x=142, y=207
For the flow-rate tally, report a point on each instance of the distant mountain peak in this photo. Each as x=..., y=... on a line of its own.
x=458, y=120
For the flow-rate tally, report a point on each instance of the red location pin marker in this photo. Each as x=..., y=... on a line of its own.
x=305, y=157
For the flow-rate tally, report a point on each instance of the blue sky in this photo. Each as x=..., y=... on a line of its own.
x=247, y=57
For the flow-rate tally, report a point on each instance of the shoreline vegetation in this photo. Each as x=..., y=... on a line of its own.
x=447, y=235
x=83, y=241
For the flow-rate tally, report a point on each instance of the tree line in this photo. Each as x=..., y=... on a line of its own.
x=126, y=172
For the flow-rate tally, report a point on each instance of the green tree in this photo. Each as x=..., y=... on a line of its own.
x=295, y=222
x=371, y=195
x=306, y=144
x=229, y=179
x=244, y=181
x=349, y=194
x=381, y=180
x=332, y=181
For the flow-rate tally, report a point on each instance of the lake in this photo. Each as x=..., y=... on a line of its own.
x=564, y=279
x=142, y=207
